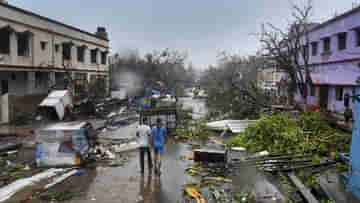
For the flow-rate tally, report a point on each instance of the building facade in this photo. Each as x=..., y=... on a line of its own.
x=37, y=53
x=334, y=57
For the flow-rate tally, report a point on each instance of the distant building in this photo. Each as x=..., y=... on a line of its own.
x=334, y=56
x=37, y=53
x=268, y=79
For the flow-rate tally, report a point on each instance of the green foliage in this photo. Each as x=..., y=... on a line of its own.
x=244, y=197
x=278, y=133
x=194, y=129
x=308, y=179
x=342, y=167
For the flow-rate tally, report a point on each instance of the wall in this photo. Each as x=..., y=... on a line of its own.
x=17, y=86
x=21, y=85
x=346, y=24
x=42, y=23
x=336, y=105
x=52, y=34
x=333, y=104
x=342, y=67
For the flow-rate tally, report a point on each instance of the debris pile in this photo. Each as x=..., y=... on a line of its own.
x=65, y=144
x=297, y=149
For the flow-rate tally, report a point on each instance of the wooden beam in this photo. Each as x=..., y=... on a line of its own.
x=303, y=189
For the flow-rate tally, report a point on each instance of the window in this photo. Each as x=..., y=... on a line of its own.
x=4, y=86
x=353, y=94
x=339, y=93
x=43, y=45
x=23, y=41
x=38, y=79
x=80, y=53
x=314, y=48
x=5, y=41
x=56, y=48
x=103, y=58
x=342, y=41
x=312, y=90
x=66, y=51
x=327, y=44
x=305, y=51
x=94, y=56
x=81, y=83
x=357, y=31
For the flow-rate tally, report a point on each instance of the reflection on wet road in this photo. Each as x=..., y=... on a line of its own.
x=125, y=184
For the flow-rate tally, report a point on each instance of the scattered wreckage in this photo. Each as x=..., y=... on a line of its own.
x=60, y=105
x=65, y=144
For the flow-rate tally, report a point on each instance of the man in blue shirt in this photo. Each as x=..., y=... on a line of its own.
x=159, y=138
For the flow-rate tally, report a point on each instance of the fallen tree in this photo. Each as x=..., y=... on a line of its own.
x=309, y=133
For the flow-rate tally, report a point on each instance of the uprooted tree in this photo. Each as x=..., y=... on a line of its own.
x=289, y=49
x=232, y=87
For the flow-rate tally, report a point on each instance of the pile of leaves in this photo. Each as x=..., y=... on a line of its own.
x=309, y=133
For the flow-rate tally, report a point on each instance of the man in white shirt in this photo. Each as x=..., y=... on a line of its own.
x=144, y=134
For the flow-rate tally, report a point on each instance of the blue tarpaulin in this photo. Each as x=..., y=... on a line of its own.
x=156, y=92
x=143, y=102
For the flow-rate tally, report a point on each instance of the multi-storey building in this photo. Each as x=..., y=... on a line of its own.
x=334, y=57
x=37, y=53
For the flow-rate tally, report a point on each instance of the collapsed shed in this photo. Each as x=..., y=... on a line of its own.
x=64, y=144
x=55, y=104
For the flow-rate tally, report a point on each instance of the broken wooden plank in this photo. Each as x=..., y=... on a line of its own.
x=285, y=157
x=273, y=162
x=303, y=189
x=203, y=155
x=326, y=164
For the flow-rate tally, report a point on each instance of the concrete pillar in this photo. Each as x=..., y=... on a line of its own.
x=98, y=56
x=87, y=56
x=30, y=82
x=13, y=48
x=74, y=60
x=89, y=77
x=4, y=105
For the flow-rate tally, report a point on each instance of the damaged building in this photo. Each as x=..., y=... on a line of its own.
x=38, y=54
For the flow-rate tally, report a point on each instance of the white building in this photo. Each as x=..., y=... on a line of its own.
x=37, y=52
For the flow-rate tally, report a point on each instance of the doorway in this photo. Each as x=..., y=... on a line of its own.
x=4, y=101
x=324, y=96
x=4, y=87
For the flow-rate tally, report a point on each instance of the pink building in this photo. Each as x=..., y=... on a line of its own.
x=334, y=54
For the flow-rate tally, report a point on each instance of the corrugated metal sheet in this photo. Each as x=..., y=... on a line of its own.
x=235, y=126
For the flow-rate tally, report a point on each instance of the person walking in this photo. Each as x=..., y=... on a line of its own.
x=159, y=139
x=143, y=132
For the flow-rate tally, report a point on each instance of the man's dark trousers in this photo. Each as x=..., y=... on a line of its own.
x=144, y=150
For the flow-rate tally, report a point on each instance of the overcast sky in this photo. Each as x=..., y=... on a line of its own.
x=202, y=28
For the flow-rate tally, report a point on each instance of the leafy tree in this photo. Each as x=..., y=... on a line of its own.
x=231, y=86
x=166, y=66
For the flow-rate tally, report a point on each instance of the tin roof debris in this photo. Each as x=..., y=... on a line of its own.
x=235, y=126
x=58, y=100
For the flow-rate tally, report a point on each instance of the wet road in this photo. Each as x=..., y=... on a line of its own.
x=125, y=184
